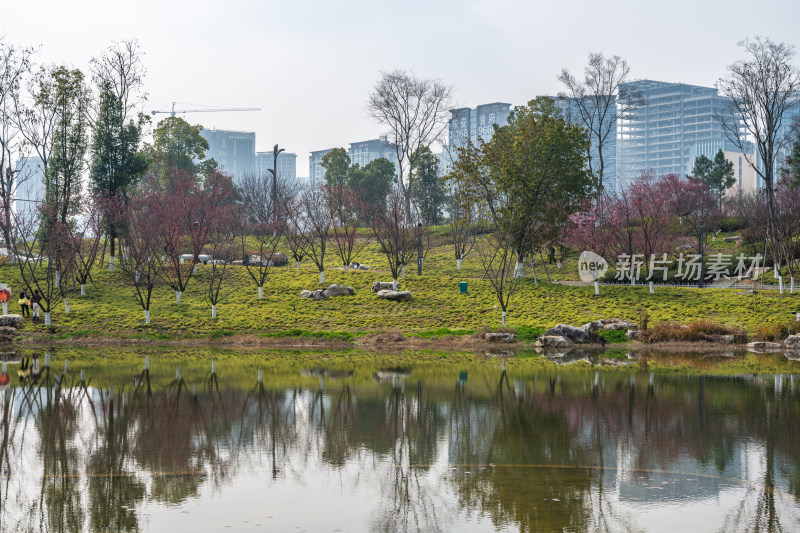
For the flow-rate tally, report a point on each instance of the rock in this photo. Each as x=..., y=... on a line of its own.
x=686, y=247
x=794, y=355
x=552, y=341
x=764, y=345
x=619, y=325
x=571, y=333
x=238, y=262
x=732, y=238
x=217, y=262
x=317, y=295
x=339, y=290
x=722, y=339
x=632, y=334
x=12, y=320
x=797, y=317
x=382, y=285
x=359, y=266
x=792, y=342
x=278, y=259
x=7, y=331
x=363, y=267
x=396, y=296
x=592, y=327
x=499, y=337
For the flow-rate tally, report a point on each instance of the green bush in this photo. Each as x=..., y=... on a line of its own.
x=614, y=336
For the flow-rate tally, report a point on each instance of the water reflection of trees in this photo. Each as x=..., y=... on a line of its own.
x=545, y=453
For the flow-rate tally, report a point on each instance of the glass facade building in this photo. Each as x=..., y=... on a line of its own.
x=660, y=133
x=287, y=164
x=234, y=151
x=360, y=153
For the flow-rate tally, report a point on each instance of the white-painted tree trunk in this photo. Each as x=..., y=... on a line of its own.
x=146, y=316
x=83, y=289
x=791, y=285
x=780, y=284
x=519, y=271
x=194, y=270
x=394, y=284
x=403, y=272
x=260, y=292
x=180, y=260
x=458, y=264
x=596, y=288
x=58, y=279
x=137, y=275
x=178, y=297
x=346, y=268
x=213, y=310
x=111, y=263
x=504, y=319
x=652, y=289
x=322, y=276
x=47, y=318
x=297, y=264
x=5, y=308
x=66, y=306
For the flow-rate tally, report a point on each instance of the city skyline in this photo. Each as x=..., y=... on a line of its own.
x=310, y=67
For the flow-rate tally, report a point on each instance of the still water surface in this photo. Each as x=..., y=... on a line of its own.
x=330, y=444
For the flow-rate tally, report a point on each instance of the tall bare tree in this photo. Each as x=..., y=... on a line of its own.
x=120, y=65
x=762, y=88
x=597, y=103
x=415, y=112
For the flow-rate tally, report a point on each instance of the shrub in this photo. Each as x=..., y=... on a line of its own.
x=703, y=330
x=776, y=332
x=529, y=334
x=614, y=336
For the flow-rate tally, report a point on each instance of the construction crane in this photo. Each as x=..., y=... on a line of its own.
x=206, y=110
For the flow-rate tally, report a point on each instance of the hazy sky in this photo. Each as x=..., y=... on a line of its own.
x=309, y=66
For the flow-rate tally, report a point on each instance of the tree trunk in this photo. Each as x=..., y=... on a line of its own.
x=146, y=316
x=403, y=272
x=5, y=308
x=394, y=284
x=178, y=297
x=213, y=310
x=519, y=271
x=111, y=263
x=297, y=264
x=194, y=270
x=83, y=289
x=260, y=292
x=504, y=319
x=58, y=279
x=66, y=306
x=458, y=264
x=322, y=276
x=47, y=318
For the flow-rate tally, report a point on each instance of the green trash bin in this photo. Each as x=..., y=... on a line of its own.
x=462, y=286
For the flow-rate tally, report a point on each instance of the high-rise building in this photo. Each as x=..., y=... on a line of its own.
x=360, y=153
x=234, y=151
x=29, y=175
x=287, y=164
x=660, y=132
x=467, y=124
x=746, y=178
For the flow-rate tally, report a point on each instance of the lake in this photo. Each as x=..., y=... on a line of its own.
x=417, y=441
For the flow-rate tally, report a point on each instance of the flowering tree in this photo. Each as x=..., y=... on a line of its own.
x=222, y=243
x=692, y=201
x=142, y=233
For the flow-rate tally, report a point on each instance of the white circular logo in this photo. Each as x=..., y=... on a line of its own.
x=591, y=266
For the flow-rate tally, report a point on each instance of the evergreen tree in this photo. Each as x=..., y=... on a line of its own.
x=791, y=170
x=426, y=188
x=67, y=94
x=720, y=178
x=178, y=146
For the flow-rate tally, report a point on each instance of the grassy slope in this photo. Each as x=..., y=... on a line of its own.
x=110, y=309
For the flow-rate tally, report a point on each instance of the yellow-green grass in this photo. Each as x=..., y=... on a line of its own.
x=110, y=308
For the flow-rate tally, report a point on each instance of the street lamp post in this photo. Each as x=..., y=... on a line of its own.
x=700, y=251
x=274, y=171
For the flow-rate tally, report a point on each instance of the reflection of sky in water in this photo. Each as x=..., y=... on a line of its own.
x=427, y=455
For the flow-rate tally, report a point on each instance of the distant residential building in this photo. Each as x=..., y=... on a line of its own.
x=287, y=164
x=360, y=153
x=234, y=151
x=467, y=124
x=746, y=178
x=316, y=174
x=660, y=133
x=30, y=191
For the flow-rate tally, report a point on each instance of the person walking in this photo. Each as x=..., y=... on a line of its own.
x=35, y=299
x=24, y=303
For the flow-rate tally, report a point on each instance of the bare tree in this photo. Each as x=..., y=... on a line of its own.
x=350, y=209
x=498, y=262
x=597, y=103
x=267, y=204
x=15, y=64
x=87, y=234
x=222, y=243
x=120, y=65
x=314, y=220
x=396, y=233
x=415, y=112
x=762, y=89
x=45, y=255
